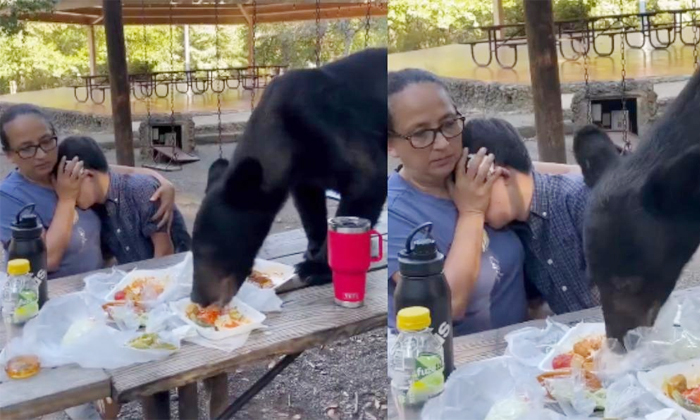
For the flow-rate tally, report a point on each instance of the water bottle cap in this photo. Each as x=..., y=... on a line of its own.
x=413, y=318
x=421, y=257
x=18, y=267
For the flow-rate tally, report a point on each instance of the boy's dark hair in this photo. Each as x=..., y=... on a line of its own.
x=500, y=138
x=399, y=80
x=86, y=149
x=17, y=111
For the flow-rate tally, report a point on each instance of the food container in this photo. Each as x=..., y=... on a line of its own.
x=277, y=272
x=256, y=318
x=653, y=382
x=566, y=344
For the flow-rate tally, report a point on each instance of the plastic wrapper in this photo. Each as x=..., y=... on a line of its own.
x=74, y=328
x=473, y=390
x=627, y=398
x=263, y=300
x=531, y=345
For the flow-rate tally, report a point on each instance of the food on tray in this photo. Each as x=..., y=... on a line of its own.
x=215, y=317
x=677, y=389
x=22, y=367
x=261, y=280
x=123, y=310
x=142, y=289
x=581, y=355
x=592, y=381
x=150, y=341
x=77, y=330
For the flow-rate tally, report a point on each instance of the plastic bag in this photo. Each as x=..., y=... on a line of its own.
x=473, y=390
x=91, y=342
x=263, y=300
x=530, y=345
x=627, y=398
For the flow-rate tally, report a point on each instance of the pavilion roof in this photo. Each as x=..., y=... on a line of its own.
x=202, y=12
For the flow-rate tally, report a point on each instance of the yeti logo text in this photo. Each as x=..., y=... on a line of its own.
x=352, y=296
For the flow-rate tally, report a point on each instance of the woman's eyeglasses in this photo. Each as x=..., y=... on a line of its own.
x=46, y=145
x=425, y=138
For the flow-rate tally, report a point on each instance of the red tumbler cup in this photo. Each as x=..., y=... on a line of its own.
x=349, y=256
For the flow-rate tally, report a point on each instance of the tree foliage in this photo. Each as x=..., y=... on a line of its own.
x=416, y=24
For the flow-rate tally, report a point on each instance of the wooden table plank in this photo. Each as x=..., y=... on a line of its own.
x=309, y=318
x=52, y=390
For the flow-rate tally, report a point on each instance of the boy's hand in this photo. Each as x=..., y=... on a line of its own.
x=166, y=195
x=68, y=179
x=471, y=190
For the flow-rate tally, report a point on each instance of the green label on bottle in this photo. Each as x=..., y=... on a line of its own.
x=428, y=378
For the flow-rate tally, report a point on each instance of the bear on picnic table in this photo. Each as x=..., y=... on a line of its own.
x=642, y=223
x=313, y=130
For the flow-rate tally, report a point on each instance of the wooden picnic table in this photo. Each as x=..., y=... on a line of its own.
x=309, y=318
x=490, y=344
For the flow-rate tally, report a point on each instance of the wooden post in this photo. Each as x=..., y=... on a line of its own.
x=119, y=81
x=544, y=76
x=91, y=50
x=498, y=16
x=187, y=48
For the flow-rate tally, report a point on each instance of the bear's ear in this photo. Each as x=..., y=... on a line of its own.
x=595, y=153
x=672, y=190
x=244, y=182
x=216, y=172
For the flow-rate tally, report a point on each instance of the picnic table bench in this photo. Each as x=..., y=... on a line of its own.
x=309, y=318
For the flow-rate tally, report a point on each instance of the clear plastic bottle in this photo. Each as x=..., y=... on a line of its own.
x=416, y=362
x=20, y=296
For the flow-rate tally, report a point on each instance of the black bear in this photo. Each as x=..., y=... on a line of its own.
x=313, y=130
x=642, y=223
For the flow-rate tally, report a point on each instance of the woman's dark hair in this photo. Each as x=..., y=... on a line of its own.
x=500, y=138
x=86, y=149
x=17, y=111
x=400, y=80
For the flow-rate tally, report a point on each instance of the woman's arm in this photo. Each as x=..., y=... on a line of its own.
x=556, y=168
x=166, y=192
x=67, y=186
x=463, y=263
x=162, y=244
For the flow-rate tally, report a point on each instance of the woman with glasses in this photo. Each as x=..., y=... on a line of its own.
x=483, y=266
x=28, y=139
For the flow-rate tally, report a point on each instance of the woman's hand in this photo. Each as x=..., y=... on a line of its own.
x=166, y=195
x=68, y=179
x=471, y=190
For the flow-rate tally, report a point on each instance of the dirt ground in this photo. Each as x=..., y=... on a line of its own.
x=344, y=380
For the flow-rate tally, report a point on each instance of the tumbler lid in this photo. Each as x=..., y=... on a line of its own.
x=349, y=224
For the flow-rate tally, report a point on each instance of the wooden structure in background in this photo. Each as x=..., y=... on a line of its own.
x=544, y=74
x=183, y=12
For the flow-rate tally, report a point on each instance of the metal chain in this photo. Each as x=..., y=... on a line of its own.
x=218, y=78
x=149, y=130
x=171, y=88
x=368, y=22
x=318, y=33
x=586, y=62
x=623, y=86
x=252, y=64
x=696, y=39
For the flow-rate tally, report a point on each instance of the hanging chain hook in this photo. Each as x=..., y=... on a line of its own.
x=317, y=51
x=696, y=37
x=586, y=62
x=253, y=70
x=623, y=85
x=218, y=79
x=368, y=22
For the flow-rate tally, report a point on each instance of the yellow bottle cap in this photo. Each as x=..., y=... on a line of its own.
x=18, y=267
x=414, y=318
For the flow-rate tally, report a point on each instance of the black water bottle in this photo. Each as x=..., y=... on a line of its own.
x=26, y=243
x=422, y=283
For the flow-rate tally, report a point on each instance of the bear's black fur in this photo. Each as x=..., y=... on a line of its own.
x=313, y=130
x=642, y=223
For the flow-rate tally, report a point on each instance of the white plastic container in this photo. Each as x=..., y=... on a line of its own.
x=256, y=318
x=653, y=381
x=566, y=344
x=277, y=272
